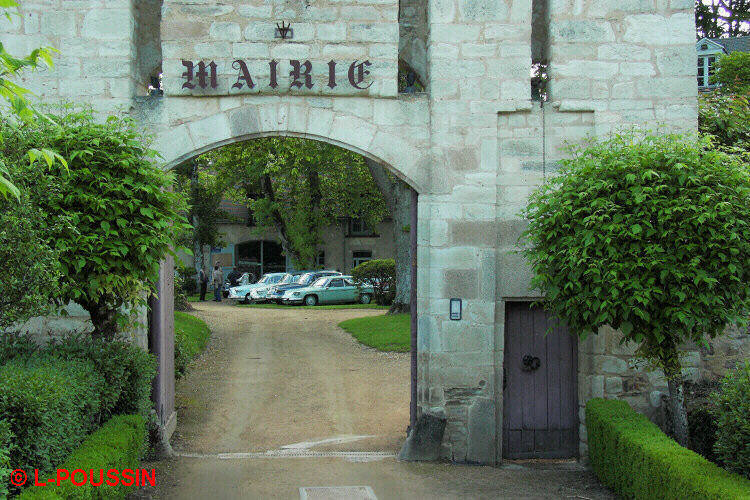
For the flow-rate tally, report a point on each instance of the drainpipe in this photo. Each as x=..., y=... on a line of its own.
x=413, y=308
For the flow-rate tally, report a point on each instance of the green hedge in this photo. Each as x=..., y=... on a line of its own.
x=51, y=405
x=6, y=438
x=636, y=459
x=118, y=444
x=190, y=338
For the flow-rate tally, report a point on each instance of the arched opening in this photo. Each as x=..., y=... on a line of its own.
x=254, y=252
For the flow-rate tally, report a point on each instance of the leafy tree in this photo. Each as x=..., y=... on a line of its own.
x=733, y=73
x=120, y=217
x=30, y=265
x=724, y=113
x=716, y=18
x=650, y=235
x=297, y=186
x=15, y=95
x=397, y=195
x=204, y=191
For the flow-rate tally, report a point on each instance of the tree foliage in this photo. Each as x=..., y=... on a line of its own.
x=297, y=186
x=724, y=113
x=717, y=18
x=648, y=234
x=380, y=274
x=733, y=73
x=120, y=219
x=15, y=95
x=30, y=264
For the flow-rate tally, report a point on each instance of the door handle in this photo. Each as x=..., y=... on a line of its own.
x=530, y=363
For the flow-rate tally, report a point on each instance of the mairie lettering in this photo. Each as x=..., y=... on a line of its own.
x=202, y=75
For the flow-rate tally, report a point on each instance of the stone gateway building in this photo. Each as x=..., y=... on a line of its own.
x=473, y=144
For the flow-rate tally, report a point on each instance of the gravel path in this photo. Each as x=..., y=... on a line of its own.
x=279, y=381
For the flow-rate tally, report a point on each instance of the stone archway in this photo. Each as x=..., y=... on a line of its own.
x=379, y=143
x=178, y=142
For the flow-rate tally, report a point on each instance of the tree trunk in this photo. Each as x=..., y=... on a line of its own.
x=398, y=200
x=104, y=319
x=673, y=371
x=267, y=187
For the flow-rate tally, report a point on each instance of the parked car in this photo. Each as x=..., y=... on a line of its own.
x=259, y=294
x=276, y=294
x=242, y=293
x=329, y=290
x=244, y=279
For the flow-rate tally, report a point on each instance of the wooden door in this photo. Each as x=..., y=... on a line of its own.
x=540, y=389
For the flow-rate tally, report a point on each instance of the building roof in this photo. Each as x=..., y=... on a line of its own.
x=733, y=44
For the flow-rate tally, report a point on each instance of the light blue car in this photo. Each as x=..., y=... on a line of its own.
x=243, y=293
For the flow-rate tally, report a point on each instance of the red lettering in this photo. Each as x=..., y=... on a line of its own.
x=101, y=477
x=61, y=478
x=128, y=474
x=113, y=475
x=36, y=479
x=145, y=477
x=73, y=477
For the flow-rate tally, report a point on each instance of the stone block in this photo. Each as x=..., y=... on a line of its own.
x=481, y=432
x=461, y=283
x=225, y=30
x=482, y=10
x=613, y=385
x=107, y=24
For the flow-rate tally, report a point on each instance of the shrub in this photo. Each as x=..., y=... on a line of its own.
x=702, y=431
x=733, y=73
x=637, y=460
x=649, y=234
x=381, y=275
x=51, y=405
x=190, y=338
x=118, y=444
x=121, y=217
x=127, y=370
x=6, y=439
x=732, y=412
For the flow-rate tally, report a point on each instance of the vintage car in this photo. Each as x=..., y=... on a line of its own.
x=329, y=290
x=242, y=293
x=260, y=294
x=276, y=293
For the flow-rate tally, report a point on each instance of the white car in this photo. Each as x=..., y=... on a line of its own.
x=243, y=293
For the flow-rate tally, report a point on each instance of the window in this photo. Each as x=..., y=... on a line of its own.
x=320, y=283
x=337, y=283
x=357, y=227
x=361, y=256
x=320, y=260
x=706, y=69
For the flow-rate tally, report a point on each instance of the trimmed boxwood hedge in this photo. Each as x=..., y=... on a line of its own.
x=118, y=444
x=50, y=406
x=636, y=459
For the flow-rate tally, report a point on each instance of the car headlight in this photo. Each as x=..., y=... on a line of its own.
x=297, y=294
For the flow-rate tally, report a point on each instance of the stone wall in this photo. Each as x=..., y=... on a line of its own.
x=344, y=31
x=95, y=38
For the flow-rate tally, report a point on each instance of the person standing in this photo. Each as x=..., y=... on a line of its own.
x=217, y=277
x=203, y=279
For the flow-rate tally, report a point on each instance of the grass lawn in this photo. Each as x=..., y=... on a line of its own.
x=391, y=332
x=191, y=336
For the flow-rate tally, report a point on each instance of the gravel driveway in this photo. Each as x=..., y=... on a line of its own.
x=283, y=399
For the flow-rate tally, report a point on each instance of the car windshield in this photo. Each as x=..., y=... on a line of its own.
x=305, y=279
x=288, y=278
x=320, y=283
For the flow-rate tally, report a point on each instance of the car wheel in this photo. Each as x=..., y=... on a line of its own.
x=365, y=298
x=311, y=300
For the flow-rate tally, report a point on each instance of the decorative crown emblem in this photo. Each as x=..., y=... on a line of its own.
x=284, y=31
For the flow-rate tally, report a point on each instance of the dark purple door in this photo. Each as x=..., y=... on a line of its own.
x=540, y=395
